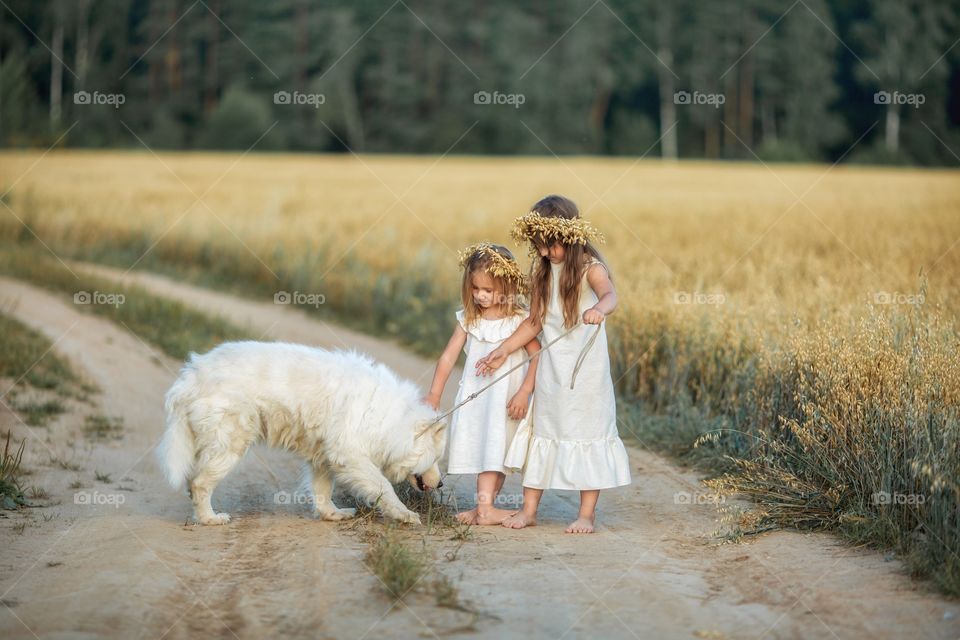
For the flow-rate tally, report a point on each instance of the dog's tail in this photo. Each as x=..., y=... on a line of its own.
x=177, y=449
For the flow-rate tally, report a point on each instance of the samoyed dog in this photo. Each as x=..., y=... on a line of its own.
x=355, y=421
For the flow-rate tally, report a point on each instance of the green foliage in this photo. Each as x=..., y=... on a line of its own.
x=25, y=355
x=853, y=428
x=11, y=495
x=398, y=567
x=240, y=119
x=594, y=78
x=170, y=325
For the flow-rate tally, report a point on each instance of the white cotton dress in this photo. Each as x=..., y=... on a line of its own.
x=481, y=430
x=569, y=439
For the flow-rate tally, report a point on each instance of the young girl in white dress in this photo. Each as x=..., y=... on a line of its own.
x=482, y=429
x=570, y=440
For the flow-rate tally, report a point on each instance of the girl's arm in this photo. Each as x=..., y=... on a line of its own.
x=599, y=281
x=446, y=363
x=519, y=403
x=527, y=331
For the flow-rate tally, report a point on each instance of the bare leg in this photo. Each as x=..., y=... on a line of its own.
x=489, y=484
x=527, y=516
x=588, y=512
x=470, y=517
x=501, y=478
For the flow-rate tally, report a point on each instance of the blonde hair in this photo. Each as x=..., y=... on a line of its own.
x=576, y=239
x=498, y=262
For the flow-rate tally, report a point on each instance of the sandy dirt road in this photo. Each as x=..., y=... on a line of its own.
x=137, y=570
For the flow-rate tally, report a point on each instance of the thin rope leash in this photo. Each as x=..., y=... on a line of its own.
x=573, y=379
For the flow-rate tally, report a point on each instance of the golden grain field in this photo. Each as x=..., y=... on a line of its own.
x=801, y=319
x=784, y=239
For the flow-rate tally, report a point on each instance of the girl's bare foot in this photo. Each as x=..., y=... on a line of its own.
x=492, y=516
x=581, y=525
x=519, y=520
x=468, y=517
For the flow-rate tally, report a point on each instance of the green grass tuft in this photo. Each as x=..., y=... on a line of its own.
x=11, y=494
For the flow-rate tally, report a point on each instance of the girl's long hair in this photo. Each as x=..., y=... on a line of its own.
x=507, y=291
x=574, y=264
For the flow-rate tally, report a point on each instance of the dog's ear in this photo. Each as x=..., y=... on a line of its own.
x=439, y=428
x=430, y=428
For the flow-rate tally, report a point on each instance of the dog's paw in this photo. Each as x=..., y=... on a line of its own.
x=408, y=517
x=338, y=514
x=217, y=518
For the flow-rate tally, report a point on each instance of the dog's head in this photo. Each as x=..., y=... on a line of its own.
x=429, y=441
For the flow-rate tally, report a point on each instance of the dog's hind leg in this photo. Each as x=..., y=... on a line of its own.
x=367, y=482
x=322, y=484
x=213, y=466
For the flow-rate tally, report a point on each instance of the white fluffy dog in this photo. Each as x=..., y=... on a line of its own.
x=352, y=419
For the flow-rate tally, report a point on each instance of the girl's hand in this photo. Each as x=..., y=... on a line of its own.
x=491, y=362
x=432, y=400
x=517, y=407
x=593, y=316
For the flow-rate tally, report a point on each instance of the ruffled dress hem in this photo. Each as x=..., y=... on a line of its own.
x=597, y=464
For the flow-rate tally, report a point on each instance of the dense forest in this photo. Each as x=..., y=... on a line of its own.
x=824, y=80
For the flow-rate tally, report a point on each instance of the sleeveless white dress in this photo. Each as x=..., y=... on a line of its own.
x=481, y=430
x=569, y=439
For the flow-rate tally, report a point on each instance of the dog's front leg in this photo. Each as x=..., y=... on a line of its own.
x=322, y=484
x=368, y=483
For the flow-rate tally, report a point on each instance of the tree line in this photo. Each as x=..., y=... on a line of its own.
x=780, y=80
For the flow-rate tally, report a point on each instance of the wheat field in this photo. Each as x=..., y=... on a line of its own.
x=806, y=240
x=799, y=319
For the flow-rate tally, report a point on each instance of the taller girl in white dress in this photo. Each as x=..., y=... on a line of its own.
x=482, y=429
x=570, y=440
